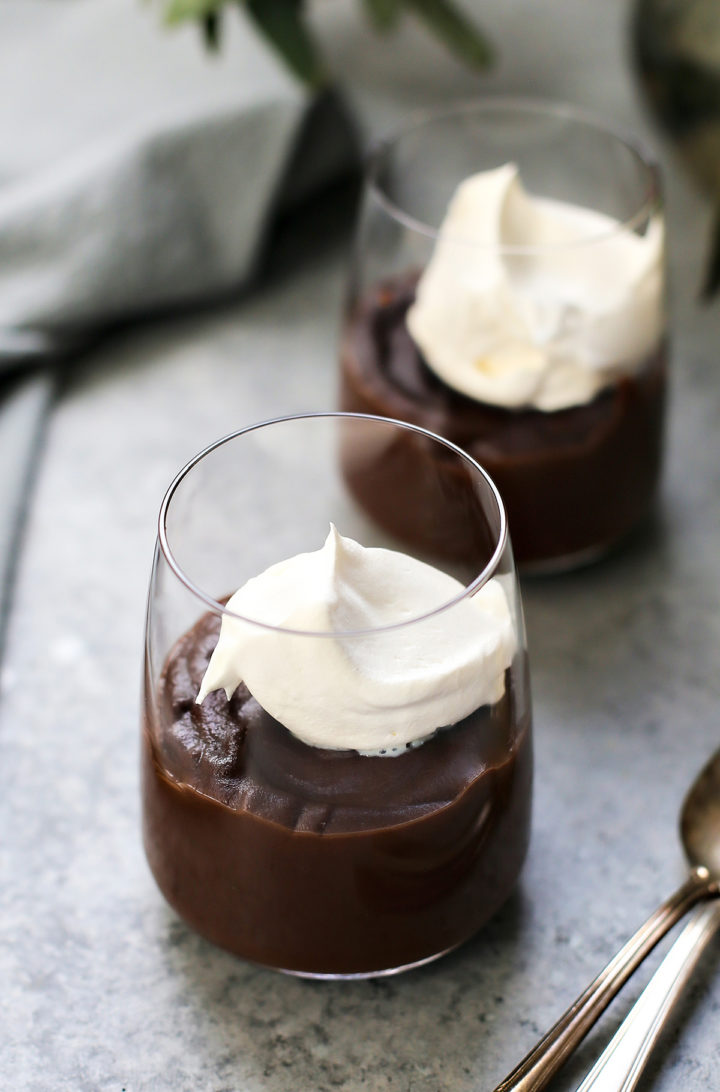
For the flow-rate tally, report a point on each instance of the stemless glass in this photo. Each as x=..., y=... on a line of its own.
x=574, y=479
x=320, y=862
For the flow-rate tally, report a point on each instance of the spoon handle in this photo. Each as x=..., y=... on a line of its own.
x=546, y=1057
x=619, y=1067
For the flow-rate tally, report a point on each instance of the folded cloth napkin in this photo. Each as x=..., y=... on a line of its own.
x=24, y=401
x=137, y=170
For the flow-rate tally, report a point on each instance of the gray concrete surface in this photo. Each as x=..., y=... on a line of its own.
x=103, y=988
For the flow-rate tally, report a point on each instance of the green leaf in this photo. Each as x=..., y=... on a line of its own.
x=211, y=29
x=460, y=35
x=384, y=14
x=711, y=282
x=282, y=24
x=178, y=11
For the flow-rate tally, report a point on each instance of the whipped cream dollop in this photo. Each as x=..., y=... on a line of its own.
x=548, y=327
x=376, y=692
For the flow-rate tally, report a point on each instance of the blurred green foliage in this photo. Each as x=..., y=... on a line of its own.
x=284, y=24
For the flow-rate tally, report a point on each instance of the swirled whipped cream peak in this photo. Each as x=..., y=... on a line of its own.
x=375, y=692
x=546, y=326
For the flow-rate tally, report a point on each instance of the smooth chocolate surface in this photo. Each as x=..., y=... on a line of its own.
x=573, y=481
x=321, y=861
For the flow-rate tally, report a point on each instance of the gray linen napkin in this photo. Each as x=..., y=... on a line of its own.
x=25, y=399
x=137, y=172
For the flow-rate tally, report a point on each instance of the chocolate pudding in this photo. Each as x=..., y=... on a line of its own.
x=574, y=481
x=328, y=862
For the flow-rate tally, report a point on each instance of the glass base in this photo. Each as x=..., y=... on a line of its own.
x=359, y=975
x=555, y=566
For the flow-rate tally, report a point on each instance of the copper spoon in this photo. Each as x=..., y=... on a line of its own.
x=700, y=833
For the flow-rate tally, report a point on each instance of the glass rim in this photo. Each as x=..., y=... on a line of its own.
x=511, y=104
x=219, y=608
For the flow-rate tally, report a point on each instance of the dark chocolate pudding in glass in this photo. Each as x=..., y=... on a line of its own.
x=327, y=861
x=360, y=803
x=517, y=309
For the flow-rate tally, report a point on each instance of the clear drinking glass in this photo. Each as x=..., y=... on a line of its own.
x=321, y=862
x=575, y=476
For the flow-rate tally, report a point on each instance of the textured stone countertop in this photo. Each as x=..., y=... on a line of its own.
x=103, y=988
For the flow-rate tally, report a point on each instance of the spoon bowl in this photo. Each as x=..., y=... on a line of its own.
x=700, y=819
